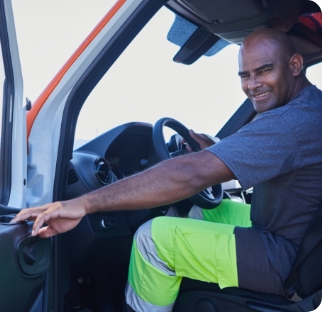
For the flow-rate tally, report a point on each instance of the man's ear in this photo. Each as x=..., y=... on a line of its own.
x=296, y=64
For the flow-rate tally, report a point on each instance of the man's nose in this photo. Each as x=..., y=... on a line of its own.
x=254, y=82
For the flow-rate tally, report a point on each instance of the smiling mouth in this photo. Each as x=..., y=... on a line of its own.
x=258, y=96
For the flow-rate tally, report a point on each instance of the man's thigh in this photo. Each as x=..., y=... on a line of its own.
x=228, y=212
x=197, y=249
x=214, y=252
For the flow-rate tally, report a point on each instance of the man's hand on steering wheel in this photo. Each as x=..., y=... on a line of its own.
x=205, y=199
x=203, y=140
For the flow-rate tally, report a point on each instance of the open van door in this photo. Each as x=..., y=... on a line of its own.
x=24, y=260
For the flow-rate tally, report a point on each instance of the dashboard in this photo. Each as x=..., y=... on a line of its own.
x=118, y=153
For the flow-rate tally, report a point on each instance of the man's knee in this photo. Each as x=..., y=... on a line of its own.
x=147, y=248
x=143, y=240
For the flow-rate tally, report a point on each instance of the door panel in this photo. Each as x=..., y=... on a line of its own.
x=24, y=260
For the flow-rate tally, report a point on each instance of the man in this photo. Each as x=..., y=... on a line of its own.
x=279, y=153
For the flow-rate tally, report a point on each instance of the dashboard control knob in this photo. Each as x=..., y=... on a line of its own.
x=106, y=223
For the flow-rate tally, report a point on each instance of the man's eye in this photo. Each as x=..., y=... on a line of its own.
x=263, y=71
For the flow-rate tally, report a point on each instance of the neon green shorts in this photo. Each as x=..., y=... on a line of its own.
x=167, y=249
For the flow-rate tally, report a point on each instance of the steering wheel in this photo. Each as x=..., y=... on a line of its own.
x=204, y=199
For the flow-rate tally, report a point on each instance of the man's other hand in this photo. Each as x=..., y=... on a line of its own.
x=59, y=217
x=203, y=140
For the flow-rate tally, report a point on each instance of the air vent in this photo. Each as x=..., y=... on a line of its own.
x=72, y=177
x=102, y=170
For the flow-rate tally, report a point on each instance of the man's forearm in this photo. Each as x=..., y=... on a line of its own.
x=165, y=183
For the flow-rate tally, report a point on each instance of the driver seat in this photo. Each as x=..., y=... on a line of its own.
x=303, y=287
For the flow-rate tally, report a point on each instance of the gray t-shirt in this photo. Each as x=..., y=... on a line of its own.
x=279, y=153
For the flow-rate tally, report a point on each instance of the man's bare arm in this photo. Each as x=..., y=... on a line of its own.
x=165, y=183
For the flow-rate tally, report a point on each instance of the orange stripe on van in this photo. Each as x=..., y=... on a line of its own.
x=32, y=114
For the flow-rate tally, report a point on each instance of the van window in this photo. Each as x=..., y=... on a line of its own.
x=144, y=84
x=313, y=73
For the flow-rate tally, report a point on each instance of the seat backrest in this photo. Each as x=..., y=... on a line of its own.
x=305, y=276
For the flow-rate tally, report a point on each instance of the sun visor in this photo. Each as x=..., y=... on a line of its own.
x=225, y=11
x=193, y=40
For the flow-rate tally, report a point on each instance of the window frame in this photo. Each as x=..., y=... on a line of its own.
x=7, y=112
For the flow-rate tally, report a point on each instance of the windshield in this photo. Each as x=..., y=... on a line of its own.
x=145, y=84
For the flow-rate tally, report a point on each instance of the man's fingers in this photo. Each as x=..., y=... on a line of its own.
x=192, y=133
x=46, y=232
x=20, y=216
x=204, y=140
x=42, y=218
x=58, y=217
x=198, y=136
x=27, y=214
x=39, y=221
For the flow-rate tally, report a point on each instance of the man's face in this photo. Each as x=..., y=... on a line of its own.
x=266, y=75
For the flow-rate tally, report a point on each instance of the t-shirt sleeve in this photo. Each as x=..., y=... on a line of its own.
x=263, y=149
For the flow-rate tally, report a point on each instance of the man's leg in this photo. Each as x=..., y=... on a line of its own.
x=228, y=212
x=166, y=249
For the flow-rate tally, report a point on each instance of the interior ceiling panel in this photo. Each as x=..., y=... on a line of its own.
x=234, y=19
x=222, y=12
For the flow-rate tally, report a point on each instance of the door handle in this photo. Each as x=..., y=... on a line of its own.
x=34, y=255
x=29, y=253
